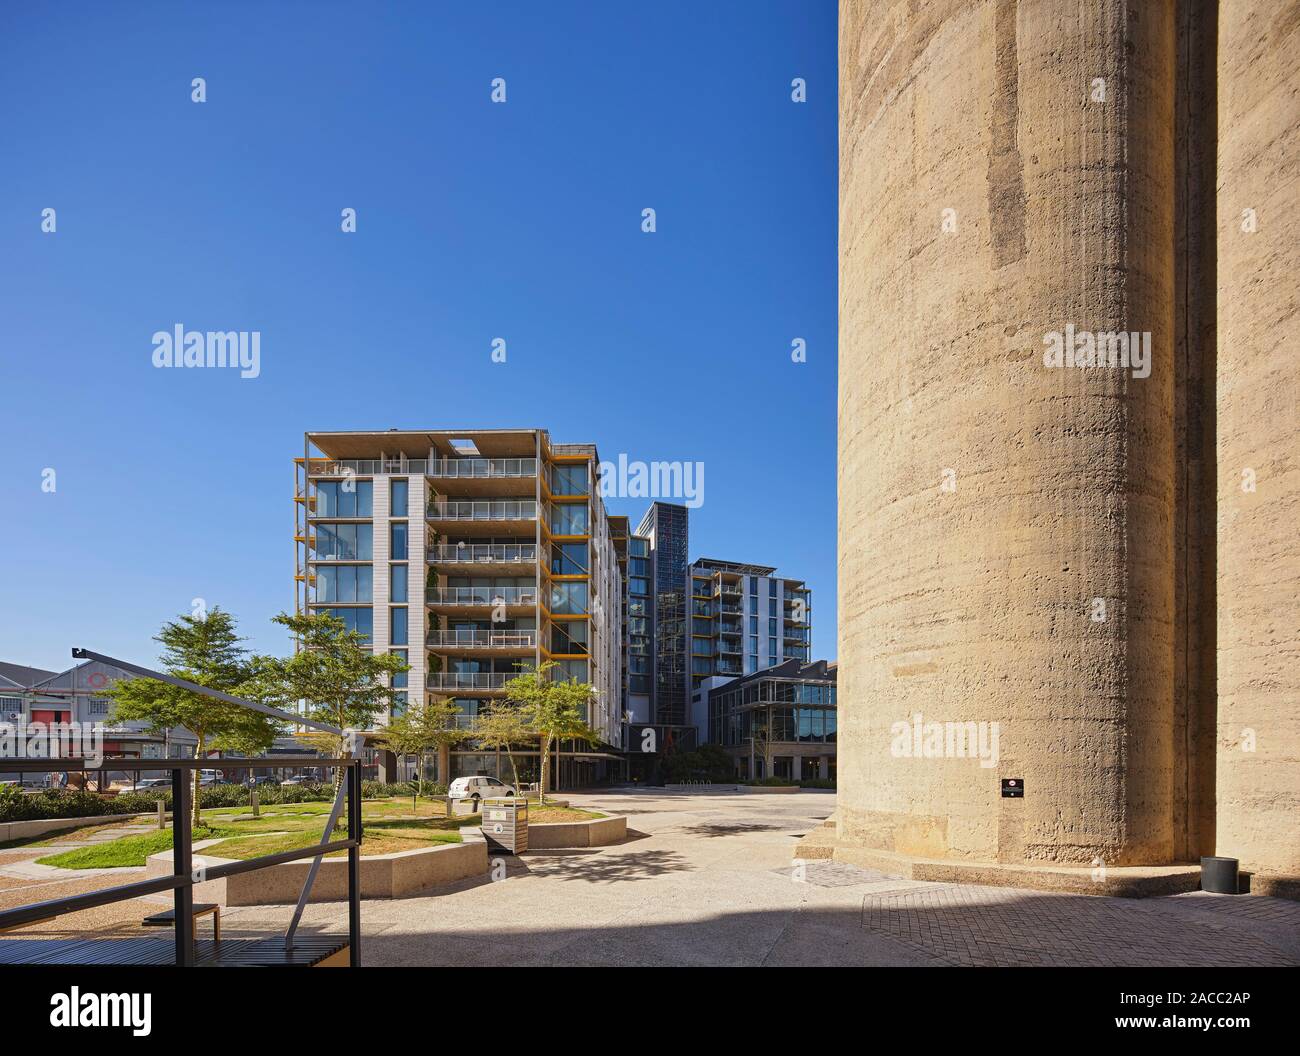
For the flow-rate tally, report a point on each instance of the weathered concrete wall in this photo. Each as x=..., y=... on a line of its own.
x=986, y=499
x=1258, y=370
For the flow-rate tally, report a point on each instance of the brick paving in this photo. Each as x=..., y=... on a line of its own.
x=1008, y=927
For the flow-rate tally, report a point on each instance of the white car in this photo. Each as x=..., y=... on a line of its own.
x=478, y=788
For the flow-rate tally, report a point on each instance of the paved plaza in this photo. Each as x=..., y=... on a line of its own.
x=708, y=880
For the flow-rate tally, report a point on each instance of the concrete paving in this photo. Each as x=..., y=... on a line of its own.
x=708, y=880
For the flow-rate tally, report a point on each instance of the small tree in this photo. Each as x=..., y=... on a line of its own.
x=422, y=729
x=761, y=739
x=554, y=709
x=202, y=649
x=502, y=726
x=335, y=672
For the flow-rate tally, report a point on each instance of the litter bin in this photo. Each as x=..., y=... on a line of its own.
x=505, y=824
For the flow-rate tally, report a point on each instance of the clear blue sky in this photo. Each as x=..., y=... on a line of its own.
x=475, y=221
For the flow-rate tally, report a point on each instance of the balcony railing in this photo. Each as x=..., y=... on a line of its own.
x=728, y=607
x=474, y=639
x=481, y=595
x=483, y=510
x=465, y=680
x=728, y=669
x=364, y=467
x=481, y=553
x=482, y=468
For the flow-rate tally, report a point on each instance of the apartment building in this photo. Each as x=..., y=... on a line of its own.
x=707, y=621
x=474, y=555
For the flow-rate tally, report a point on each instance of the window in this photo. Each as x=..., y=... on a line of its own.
x=570, y=671
x=568, y=597
x=638, y=566
x=569, y=519
x=344, y=542
x=638, y=586
x=638, y=547
x=398, y=582
x=753, y=605
x=771, y=588
x=398, y=490
x=771, y=648
x=344, y=498
x=771, y=607
x=569, y=480
x=97, y=706
x=753, y=625
x=397, y=625
x=344, y=583
x=753, y=644
x=570, y=559
x=397, y=540
x=753, y=584
x=360, y=620
x=569, y=637
x=401, y=679
x=771, y=627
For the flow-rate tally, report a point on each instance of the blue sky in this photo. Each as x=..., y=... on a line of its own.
x=475, y=220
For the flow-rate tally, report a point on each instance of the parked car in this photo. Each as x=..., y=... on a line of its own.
x=261, y=779
x=154, y=782
x=478, y=788
x=301, y=779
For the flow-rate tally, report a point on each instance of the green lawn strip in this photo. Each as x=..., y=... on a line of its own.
x=128, y=851
x=384, y=841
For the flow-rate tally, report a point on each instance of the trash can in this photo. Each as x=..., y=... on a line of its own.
x=505, y=824
x=1219, y=875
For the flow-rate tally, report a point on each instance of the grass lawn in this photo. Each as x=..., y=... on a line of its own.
x=128, y=851
x=390, y=825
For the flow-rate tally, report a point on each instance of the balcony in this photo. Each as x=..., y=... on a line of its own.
x=364, y=467
x=481, y=597
x=482, y=641
x=731, y=609
x=484, y=476
x=482, y=555
x=728, y=669
x=727, y=646
x=726, y=588
x=466, y=682
x=490, y=510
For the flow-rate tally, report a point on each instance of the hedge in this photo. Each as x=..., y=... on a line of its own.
x=16, y=805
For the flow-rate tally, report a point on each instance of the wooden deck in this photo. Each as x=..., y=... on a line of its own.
x=309, y=951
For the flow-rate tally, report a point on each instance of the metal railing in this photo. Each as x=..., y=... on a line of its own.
x=475, y=639
x=466, y=680
x=181, y=882
x=482, y=510
x=481, y=553
x=482, y=468
x=481, y=595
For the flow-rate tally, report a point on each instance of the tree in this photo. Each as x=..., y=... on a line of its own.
x=762, y=741
x=554, y=709
x=422, y=729
x=342, y=682
x=202, y=649
x=502, y=726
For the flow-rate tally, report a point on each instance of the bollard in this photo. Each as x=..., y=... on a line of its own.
x=1219, y=875
x=162, y=815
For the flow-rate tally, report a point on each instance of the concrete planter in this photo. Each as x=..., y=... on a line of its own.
x=382, y=875
x=598, y=832
x=25, y=830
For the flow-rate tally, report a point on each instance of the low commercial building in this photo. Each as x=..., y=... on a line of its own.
x=777, y=722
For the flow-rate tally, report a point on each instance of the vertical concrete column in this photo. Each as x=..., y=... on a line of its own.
x=1006, y=526
x=1258, y=375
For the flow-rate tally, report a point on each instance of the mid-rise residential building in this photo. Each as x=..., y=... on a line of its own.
x=666, y=529
x=474, y=555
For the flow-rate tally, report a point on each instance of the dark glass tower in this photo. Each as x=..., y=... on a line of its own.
x=666, y=526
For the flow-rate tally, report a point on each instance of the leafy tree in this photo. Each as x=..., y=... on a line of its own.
x=503, y=725
x=342, y=682
x=422, y=729
x=554, y=709
x=205, y=650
